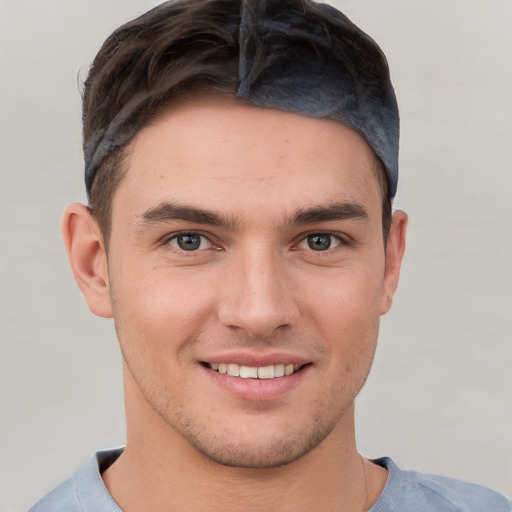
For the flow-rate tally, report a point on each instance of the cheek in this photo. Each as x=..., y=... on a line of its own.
x=347, y=313
x=158, y=313
x=349, y=297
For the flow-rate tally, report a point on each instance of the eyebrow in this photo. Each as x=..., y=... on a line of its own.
x=335, y=211
x=166, y=211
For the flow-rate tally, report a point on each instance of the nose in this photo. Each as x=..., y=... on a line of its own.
x=257, y=294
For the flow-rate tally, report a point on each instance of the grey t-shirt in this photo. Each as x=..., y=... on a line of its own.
x=405, y=491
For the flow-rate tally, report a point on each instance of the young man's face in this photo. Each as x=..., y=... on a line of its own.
x=250, y=238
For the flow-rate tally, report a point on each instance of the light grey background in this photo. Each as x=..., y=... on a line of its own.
x=439, y=397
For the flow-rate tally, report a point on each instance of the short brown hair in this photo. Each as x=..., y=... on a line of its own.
x=195, y=45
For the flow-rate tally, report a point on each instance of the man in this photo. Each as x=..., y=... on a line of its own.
x=241, y=160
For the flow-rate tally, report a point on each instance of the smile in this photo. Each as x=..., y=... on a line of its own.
x=255, y=372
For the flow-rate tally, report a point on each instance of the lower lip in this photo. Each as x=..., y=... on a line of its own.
x=257, y=390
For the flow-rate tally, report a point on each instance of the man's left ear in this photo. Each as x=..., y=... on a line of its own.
x=394, y=253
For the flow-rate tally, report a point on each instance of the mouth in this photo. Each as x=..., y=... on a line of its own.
x=273, y=371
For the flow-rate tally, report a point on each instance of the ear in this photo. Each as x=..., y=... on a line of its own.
x=394, y=253
x=86, y=252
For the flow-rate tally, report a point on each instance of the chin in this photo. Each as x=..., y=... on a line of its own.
x=279, y=448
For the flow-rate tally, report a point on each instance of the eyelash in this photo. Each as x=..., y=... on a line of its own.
x=337, y=237
x=167, y=240
x=340, y=241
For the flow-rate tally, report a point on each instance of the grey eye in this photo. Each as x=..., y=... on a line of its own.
x=319, y=242
x=189, y=242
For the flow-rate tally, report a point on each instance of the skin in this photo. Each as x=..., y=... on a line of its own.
x=265, y=181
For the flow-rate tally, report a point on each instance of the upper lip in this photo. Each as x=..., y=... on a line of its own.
x=255, y=360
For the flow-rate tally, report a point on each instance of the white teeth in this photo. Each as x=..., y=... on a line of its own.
x=248, y=372
x=252, y=372
x=233, y=370
x=266, y=372
x=279, y=370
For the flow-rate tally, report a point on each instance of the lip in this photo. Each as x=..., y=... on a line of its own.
x=256, y=390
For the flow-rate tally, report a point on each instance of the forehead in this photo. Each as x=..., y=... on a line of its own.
x=217, y=150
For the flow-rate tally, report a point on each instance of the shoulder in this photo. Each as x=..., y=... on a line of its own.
x=64, y=497
x=411, y=490
x=84, y=491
